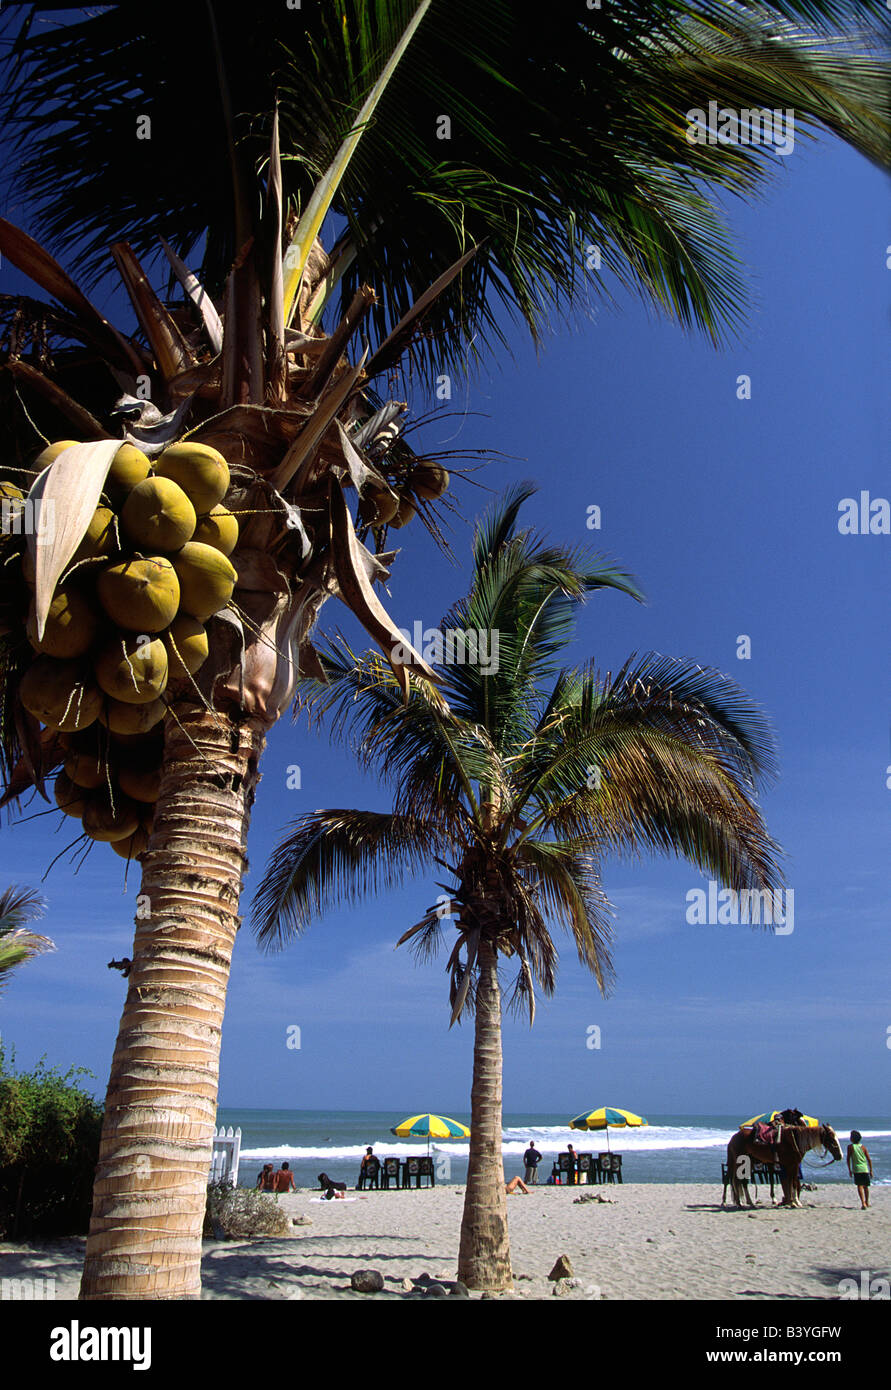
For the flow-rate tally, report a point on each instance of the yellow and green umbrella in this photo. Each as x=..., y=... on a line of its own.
x=770, y=1116
x=430, y=1127
x=607, y=1117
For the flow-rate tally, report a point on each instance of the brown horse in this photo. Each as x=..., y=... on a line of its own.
x=794, y=1142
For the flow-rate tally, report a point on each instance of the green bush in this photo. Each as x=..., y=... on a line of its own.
x=49, y=1147
x=239, y=1212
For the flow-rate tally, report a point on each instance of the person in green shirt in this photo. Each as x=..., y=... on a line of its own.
x=860, y=1166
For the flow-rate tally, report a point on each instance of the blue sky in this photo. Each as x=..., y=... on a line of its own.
x=727, y=511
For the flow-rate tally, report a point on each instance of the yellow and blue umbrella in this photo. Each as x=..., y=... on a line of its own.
x=430, y=1127
x=770, y=1116
x=607, y=1117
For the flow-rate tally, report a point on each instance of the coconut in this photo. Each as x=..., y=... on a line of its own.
x=100, y=538
x=219, y=529
x=85, y=769
x=129, y=467
x=70, y=629
x=104, y=819
x=187, y=646
x=141, y=748
x=141, y=783
x=69, y=798
x=140, y=595
x=61, y=694
x=200, y=471
x=158, y=515
x=429, y=481
x=52, y=452
x=121, y=718
x=405, y=512
x=134, y=845
x=132, y=669
x=378, y=506
x=206, y=580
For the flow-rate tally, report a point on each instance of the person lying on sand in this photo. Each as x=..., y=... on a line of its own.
x=331, y=1188
x=516, y=1185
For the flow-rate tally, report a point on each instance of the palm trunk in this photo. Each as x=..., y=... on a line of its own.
x=484, y=1255
x=160, y=1109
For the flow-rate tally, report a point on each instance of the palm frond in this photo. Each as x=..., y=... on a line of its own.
x=662, y=759
x=19, y=906
x=332, y=857
x=573, y=894
x=562, y=134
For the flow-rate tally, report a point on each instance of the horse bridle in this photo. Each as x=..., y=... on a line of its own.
x=803, y=1153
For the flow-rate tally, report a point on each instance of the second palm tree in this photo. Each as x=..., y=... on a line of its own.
x=517, y=778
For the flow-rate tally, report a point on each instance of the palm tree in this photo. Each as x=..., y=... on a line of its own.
x=233, y=140
x=18, y=906
x=518, y=782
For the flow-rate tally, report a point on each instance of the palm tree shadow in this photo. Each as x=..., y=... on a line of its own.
x=224, y=1273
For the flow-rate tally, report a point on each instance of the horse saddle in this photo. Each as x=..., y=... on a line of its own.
x=765, y=1134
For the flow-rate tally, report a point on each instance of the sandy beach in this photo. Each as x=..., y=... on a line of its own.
x=647, y=1241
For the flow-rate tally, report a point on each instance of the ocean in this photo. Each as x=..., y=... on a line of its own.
x=673, y=1148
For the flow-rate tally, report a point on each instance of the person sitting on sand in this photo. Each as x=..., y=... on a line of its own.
x=264, y=1181
x=516, y=1185
x=860, y=1167
x=331, y=1188
x=283, y=1180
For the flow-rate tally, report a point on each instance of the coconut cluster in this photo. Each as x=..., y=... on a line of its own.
x=381, y=506
x=128, y=618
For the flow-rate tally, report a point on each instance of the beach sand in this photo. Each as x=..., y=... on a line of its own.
x=649, y=1241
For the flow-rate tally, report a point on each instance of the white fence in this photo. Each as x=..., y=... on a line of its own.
x=226, y=1149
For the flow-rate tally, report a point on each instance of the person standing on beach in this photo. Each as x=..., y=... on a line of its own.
x=531, y=1159
x=283, y=1181
x=860, y=1166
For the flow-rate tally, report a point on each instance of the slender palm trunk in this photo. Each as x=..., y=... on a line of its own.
x=484, y=1255
x=160, y=1109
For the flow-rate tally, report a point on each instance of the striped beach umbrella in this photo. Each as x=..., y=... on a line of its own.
x=430, y=1127
x=770, y=1116
x=607, y=1117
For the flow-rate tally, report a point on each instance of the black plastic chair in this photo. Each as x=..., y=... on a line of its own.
x=370, y=1174
x=610, y=1166
x=587, y=1166
x=566, y=1167
x=426, y=1170
x=389, y=1173
x=411, y=1168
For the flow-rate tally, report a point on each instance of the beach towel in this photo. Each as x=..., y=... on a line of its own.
x=332, y=1200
